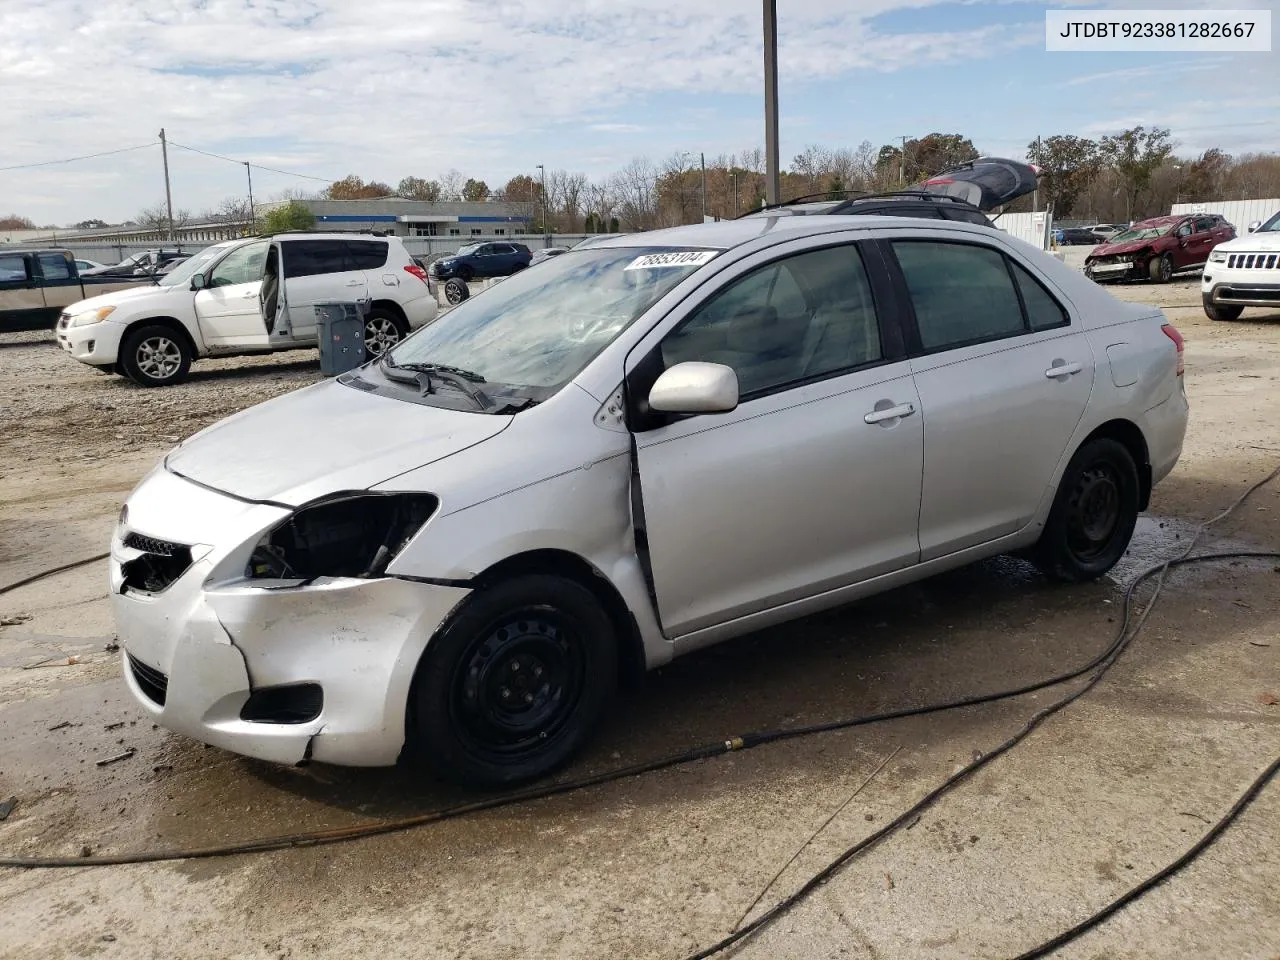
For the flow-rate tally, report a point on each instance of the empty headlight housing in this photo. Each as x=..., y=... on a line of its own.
x=349, y=535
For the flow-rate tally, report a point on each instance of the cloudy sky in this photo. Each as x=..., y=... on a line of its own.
x=388, y=88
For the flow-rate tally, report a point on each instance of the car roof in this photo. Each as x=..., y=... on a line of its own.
x=726, y=234
x=1156, y=221
x=25, y=250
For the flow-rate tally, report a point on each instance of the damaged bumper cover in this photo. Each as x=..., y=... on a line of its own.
x=332, y=659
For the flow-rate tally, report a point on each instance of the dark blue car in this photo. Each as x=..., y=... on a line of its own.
x=476, y=260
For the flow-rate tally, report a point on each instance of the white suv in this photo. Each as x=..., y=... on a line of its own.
x=1244, y=272
x=228, y=299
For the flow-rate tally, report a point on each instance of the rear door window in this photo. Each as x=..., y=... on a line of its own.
x=54, y=266
x=367, y=254
x=962, y=293
x=307, y=258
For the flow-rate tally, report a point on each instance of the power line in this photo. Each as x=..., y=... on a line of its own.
x=241, y=163
x=87, y=156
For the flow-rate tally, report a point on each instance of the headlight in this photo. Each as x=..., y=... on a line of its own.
x=91, y=316
x=1218, y=256
x=349, y=535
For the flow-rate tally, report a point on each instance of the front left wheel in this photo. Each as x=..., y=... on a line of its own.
x=1161, y=268
x=514, y=685
x=155, y=356
x=1093, y=514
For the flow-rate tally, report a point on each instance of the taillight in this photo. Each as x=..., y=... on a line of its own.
x=1172, y=333
x=417, y=271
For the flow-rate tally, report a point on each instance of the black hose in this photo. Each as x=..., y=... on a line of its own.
x=43, y=574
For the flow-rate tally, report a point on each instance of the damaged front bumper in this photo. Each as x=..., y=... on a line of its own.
x=280, y=672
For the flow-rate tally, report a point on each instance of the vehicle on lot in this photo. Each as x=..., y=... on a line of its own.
x=228, y=300
x=477, y=260
x=547, y=253
x=1077, y=236
x=454, y=554
x=1244, y=272
x=1105, y=231
x=35, y=286
x=965, y=193
x=1158, y=249
x=82, y=264
x=144, y=264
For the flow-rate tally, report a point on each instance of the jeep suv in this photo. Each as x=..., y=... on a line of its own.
x=256, y=295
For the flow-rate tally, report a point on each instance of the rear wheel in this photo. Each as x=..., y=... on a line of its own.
x=1161, y=269
x=466, y=274
x=1220, y=311
x=155, y=356
x=382, y=331
x=1093, y=514
x=515, y=683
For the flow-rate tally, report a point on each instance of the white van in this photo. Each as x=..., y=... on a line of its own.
x=255, y=295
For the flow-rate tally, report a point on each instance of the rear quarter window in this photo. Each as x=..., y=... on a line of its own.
x=367, y=254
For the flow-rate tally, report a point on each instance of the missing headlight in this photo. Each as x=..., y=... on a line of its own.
x=354, y=535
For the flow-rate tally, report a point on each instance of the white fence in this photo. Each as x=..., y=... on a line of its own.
x=1034, y=228
x=1238, y=213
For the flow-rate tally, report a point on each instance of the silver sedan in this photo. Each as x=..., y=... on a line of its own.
x=451, y=556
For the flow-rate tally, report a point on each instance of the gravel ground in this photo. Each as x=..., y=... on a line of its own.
x=1102, y=795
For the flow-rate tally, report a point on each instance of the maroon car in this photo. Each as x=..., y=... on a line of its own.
x=1158, y=248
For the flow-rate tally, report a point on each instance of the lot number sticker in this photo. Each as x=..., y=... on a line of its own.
x=685, y=258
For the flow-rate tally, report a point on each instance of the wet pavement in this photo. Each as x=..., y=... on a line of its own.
x=1102, y=795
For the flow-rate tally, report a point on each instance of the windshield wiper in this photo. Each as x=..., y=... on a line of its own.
x=424, y=374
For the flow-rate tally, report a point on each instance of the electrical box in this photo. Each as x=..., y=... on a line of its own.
x=340, y=327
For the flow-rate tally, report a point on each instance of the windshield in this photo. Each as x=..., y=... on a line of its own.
x=183, y=272
x=1143, y=233
x=466, y=249
x=536, y=330
x=1271, y=226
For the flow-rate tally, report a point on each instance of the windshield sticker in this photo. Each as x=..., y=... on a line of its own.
x=685, y=258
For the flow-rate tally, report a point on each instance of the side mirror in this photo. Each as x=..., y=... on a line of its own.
x=1253, y=227
x=695, y=387
x=197, y=282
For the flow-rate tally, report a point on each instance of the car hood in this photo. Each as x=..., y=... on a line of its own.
x=1251, y=243
x=117, y=297
x=1112, y=249
x=324, y=439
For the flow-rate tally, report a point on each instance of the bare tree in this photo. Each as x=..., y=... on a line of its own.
x=451, y=185
x=636, y=193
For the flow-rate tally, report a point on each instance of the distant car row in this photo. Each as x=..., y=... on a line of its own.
x=1088, y=236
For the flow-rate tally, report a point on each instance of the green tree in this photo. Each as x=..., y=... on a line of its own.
x=289, y=217
x=1068, y=166
x=1135, y=155
x=416, y=188
x=475, y=191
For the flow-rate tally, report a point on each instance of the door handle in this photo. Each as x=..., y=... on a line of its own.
x=250, y=293
x=880, y=415
x=1063, y=370
x=355, y=283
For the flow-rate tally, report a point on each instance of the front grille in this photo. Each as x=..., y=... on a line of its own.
x=151, y=681
x=161, y=563
x=161, y=548
x=1252, y=261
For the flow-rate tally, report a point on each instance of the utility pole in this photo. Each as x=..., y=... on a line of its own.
x=902, y=162
x=703, y=159
x=546, y=228
x=168, y=196
x=1035, y=194
x=737, y=207
x=772, y=178
x=249, y=173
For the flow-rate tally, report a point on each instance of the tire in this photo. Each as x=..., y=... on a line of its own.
x=1219, y=311
x=382, y=331
x=466, y=274
x=478, y=716
x=1093, y=514
x=155, y=356
x=456, y=290
x=1160, y=269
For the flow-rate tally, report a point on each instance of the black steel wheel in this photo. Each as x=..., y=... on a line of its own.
x=1093, y=514
x=514, y=684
